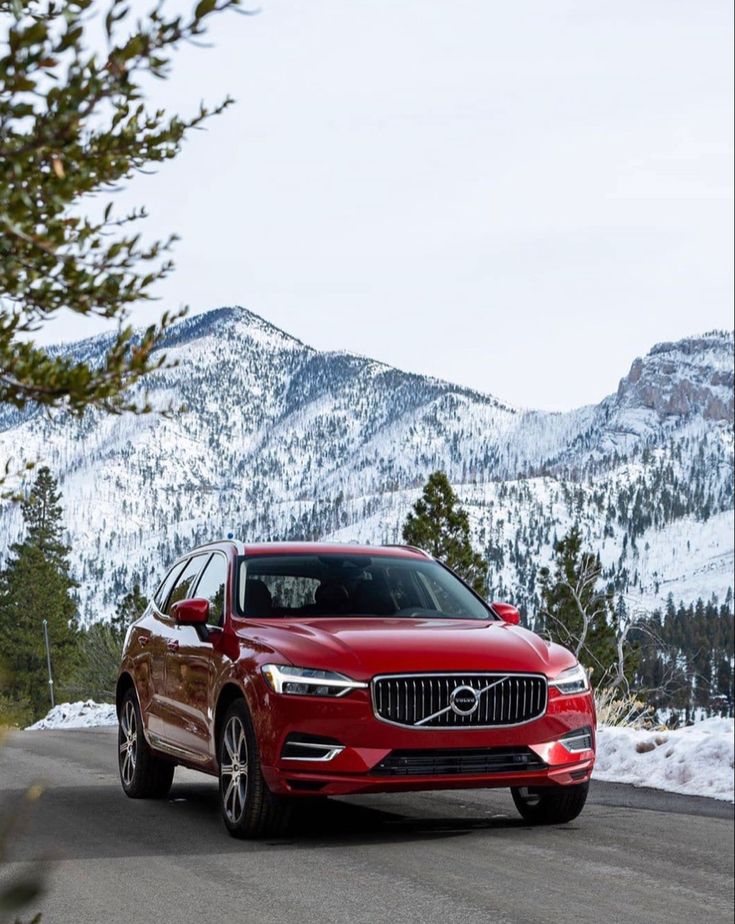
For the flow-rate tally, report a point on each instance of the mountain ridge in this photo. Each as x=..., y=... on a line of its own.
x=281, y=440
x=190, y=329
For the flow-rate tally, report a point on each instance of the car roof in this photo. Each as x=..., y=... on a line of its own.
x=252, y=549
x=331, y=548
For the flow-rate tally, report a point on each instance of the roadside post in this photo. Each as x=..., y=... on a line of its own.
x=48, y=663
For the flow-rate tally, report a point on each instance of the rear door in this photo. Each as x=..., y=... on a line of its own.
x=194, y=662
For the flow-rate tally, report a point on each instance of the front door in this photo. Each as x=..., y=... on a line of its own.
x=164, y=713
x=193, y=660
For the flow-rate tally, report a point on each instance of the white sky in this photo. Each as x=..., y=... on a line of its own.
x=517, y=196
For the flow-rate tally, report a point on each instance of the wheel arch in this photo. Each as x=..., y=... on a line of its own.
x=124, y=683
x=230, y=692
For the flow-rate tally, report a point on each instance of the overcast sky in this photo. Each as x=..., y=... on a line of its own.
x=517, y=196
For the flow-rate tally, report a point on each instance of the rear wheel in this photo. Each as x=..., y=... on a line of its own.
x=143, y=775
x=545, y=805
x=249, y=808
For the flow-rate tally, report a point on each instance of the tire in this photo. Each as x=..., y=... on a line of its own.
x=550, y=805
x=249, y=809
x=143, y=775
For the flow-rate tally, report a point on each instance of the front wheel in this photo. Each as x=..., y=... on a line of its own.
x=142, y=774
x=546, y=805
x=249, y=808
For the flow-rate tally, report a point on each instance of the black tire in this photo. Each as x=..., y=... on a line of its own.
x=545, y=805
x=143, y=775
x=249, y=808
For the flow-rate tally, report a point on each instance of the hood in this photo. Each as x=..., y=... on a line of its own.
x=363, y=648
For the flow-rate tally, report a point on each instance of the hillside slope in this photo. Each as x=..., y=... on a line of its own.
x=282, y=441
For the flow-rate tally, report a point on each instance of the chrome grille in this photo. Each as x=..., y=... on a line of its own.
x=443, y=700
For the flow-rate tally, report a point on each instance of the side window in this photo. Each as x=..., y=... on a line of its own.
x=166, y=585
x=212, y=586
x=185, y=581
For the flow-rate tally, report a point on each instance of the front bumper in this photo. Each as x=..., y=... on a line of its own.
x=367, y=741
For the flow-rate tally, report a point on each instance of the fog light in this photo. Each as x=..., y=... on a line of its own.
x=308, y=747
x=579, y=740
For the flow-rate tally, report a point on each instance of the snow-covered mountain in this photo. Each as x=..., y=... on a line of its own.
x=282, y=441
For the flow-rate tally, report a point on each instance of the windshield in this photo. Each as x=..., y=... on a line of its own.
x=294, y=586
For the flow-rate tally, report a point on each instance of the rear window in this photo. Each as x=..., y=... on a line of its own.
x=293, y=586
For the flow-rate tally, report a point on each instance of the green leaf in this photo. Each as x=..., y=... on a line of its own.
x=203, y=8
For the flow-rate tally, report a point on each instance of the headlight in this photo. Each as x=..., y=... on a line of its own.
x=572, y=680
x=307, y=681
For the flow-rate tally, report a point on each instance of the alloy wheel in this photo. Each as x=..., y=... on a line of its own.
x=128, y=742
x=234, y=769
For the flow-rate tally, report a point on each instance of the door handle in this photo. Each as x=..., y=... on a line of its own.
x=172, y=644
x=144, y=639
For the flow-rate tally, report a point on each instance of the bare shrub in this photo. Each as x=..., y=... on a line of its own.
x=619, y=709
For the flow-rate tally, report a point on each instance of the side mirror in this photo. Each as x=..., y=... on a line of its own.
x=507, y=612
x=191, y=612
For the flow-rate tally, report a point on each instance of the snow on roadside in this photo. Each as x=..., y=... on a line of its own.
x=696, y=760
x=77, y=715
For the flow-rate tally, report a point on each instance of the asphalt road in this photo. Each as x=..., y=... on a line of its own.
x=633, y=855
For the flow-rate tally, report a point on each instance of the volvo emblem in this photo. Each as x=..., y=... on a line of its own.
x=464, y=700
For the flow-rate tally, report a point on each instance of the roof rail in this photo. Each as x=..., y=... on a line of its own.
x=411, y=548
x=206, y=545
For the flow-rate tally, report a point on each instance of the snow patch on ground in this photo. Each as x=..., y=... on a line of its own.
x=696, y=760
x=77, y=715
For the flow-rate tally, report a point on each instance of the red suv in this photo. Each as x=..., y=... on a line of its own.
x=301, y=670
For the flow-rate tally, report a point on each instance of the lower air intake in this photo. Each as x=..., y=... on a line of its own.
x=458, y=761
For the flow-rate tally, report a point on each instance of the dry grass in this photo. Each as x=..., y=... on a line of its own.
x=623, y=710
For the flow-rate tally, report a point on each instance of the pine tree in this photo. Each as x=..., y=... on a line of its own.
x=130, y=608
x=42, y=514
x=75, y=124
x=440, y=526
x=574, y=611
x=35, y=585
x=686, y=659
x=100, y=649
